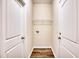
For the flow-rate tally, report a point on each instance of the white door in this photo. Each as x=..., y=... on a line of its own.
x=13, y=43
x=68, y=27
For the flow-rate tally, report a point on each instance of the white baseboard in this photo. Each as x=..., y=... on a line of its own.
x=30, y=53
x=42, y=47
x=54, y=52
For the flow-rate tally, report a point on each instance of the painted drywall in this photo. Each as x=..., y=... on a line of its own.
x=42, y=12
x=55, y=41
x=42, y=17
x=43, y=38
x=28, y=27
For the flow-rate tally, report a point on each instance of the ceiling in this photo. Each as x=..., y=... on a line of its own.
x=42, y=1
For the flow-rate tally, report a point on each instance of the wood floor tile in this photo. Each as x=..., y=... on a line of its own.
x=42, y=53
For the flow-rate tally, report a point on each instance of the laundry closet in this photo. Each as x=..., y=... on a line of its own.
x=39, y=24
x=42, y=23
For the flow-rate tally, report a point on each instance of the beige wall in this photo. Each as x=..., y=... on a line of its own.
x=43, y=38
x=42, y=17
x=42, y=11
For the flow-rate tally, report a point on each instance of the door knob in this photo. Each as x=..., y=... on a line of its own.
x=59, y=33
x=37, y=31
x=59, y=38
x=22, y=38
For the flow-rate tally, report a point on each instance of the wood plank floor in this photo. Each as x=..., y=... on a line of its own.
x=42, y=53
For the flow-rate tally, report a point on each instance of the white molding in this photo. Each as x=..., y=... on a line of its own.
x=30, y=53
x=41, y=46
x=68, y=51
x=54, y=53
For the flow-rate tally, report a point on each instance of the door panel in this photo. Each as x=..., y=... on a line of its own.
x=69, y=20
x=64, y=53
x=15, y=52
x=71, y=47
x=14, y=17
x=14, y=44
x=68, y=23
